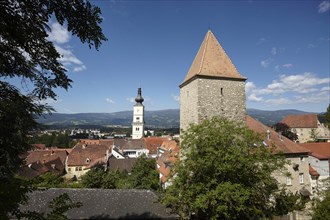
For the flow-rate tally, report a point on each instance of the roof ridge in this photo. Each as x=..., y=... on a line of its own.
x=204, y=51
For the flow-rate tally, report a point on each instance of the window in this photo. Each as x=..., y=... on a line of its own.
x=301, y=178
x=76, y=169
x=69, y=169
x=221, y=91
x=302, y=159
x=137, y=118
x=288, y=181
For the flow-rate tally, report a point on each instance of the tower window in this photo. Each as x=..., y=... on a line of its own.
x=137, y=118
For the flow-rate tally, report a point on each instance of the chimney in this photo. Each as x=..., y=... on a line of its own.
x=280, y=135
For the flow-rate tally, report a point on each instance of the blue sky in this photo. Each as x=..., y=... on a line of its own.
x=282, y=47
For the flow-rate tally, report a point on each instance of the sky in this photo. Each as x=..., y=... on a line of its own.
x=282, y=47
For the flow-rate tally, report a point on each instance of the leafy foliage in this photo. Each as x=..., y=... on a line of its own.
x=226, y=173
x=58, y=140
x=143, y=176
x=285, y=131
x=27, y=54
x=327, y=117
x=321, y=208
x=49, y=180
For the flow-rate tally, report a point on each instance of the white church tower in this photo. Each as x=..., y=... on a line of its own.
x=138, y=117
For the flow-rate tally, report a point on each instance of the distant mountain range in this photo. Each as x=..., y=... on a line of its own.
x=154, y=119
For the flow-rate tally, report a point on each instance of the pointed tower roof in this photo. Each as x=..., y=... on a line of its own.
x=212, y=61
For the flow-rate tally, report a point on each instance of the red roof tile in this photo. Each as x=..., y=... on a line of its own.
x=312, y=171
x=152, y=143
x=282, y=144
x=44, y=156
x=301, y=121
x=319, y=150
x=81, y=152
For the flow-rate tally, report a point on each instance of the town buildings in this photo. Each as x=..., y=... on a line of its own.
x=307, y=127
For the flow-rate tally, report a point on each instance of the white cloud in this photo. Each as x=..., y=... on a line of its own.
x=67, y=56
x=279, y=101
x=311, y=46
x=327, y=88
x=109, y=100
x=176, y=98
x=50, y=101
x=266, y=63
x=253, y=97
x=291, y=89
x=249, y=86
x=79, y=68
x=273, y=51
x=287, y=65
x=130, y=99
x=58, y=34
x=261, y=41
x=324, y=6
x=69, y=59
x=294, y=83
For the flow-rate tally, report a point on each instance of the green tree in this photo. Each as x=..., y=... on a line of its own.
x=327, y=117
x=285, y=131
x=49, y=180
x=144, y=174
x=93, y=178
x=321, y=208
x=225, y=173
x=27, y=54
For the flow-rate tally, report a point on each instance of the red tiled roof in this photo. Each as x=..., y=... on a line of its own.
x=45, y=156
x=81, y=152
x=312, y=171
x=152, y=143
x=125, y=144
x=212, y=61
x=319, y=150
x=301, y=121
x=282, y=144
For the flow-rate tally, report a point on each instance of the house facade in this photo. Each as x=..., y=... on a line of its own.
x=307, y=127
x=319, y=159
x=85, y=156
x=298, y=178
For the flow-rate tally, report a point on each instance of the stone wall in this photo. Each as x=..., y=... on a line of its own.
x=188, y=104
x=208, y=97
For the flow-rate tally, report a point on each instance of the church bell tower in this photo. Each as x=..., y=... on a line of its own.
x=138, y=117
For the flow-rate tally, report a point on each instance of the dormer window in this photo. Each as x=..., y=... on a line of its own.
x=88, y=160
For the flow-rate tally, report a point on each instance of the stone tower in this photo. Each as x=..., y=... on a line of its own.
x=138, y=117
x=212, y=87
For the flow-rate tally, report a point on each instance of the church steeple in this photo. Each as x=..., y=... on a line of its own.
x=139, y=99
x=138, y=117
